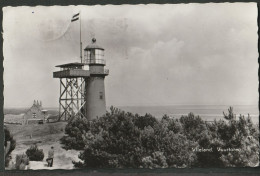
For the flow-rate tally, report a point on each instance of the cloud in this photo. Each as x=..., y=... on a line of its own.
x=157, y=54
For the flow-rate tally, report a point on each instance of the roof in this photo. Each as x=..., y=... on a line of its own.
x=74, y=64
x=34, y=105
x=93, y=45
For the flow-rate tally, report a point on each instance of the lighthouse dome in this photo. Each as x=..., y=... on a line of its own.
x=93, y=45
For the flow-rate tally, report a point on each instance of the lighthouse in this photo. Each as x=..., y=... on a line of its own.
x=82, y=91
x=95, y=98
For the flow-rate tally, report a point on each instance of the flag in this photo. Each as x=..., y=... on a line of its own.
x=75, y=17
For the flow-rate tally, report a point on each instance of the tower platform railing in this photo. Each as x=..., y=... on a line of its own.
x=96, y=61
x=71, y=73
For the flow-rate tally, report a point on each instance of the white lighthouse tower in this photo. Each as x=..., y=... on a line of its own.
x=94, y=84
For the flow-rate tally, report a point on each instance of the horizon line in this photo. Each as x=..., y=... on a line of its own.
x=52, y=107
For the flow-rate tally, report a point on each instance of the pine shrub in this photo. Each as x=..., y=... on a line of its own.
x=123, y=140
x=8, y=148
x=21, y=162
x=35, y=154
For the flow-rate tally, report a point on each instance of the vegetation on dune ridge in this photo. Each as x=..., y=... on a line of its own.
x=124, y=140
x=15, y=111
x=9, y=145
x=37, y=130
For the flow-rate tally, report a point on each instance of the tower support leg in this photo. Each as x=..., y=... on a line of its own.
x=72, y=98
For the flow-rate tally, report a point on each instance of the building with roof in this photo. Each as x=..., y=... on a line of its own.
x=36, y=114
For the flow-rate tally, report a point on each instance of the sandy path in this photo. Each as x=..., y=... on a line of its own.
x=62, y=158
x=44, y=140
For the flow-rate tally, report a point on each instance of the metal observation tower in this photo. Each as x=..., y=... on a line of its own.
x=82, y=87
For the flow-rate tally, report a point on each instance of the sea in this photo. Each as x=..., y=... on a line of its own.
x=206, y=112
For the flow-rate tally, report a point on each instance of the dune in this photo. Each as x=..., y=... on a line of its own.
x=44, y=136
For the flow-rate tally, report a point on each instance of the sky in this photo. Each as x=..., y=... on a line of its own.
x=172, y=54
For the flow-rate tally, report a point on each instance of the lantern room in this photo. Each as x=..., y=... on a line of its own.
x=94, y=54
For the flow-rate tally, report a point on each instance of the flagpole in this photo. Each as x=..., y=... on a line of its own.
x=80, y=37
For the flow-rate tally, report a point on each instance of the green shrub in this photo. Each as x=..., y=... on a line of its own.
x=21, y=162
x=240, y=133
x=9, y=145
x=34, y=153
x=144, y=121
x=156, y=160
x=122, y=140
x=74, y=131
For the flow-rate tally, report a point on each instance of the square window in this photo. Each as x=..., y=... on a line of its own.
x=101, y=95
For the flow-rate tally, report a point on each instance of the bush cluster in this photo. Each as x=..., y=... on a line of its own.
x=34, y=153
x=9, y=145
x=21, y=162
x=123, y=140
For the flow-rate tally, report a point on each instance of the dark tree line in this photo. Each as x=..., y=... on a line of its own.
x=124, y=140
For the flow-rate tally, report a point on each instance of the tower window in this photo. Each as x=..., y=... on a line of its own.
x=34, y=115
x=101, y=95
